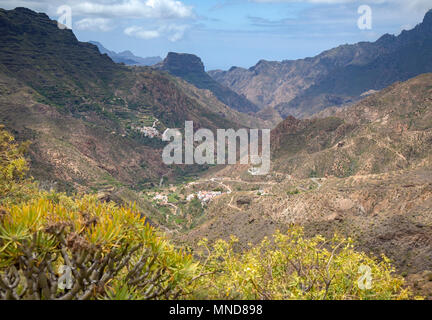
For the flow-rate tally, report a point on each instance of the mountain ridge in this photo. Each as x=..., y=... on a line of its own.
x=338, y=76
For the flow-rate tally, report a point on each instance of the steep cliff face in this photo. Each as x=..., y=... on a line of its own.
x=182, y=64
x=50, y=60
x=335, y=77
x=190, y=68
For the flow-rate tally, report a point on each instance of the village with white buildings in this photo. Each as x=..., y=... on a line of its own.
x=150, y=132
x=204, y=197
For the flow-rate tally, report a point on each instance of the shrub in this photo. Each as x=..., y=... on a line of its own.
x=111, y=252
x=173, y=198
x=293, y=267
x=14, y=186
x=293, y=192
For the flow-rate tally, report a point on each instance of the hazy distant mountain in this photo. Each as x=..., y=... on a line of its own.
x=127, y=57
x=335, y=77
x=190, y=68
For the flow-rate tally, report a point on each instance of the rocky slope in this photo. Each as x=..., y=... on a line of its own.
x=190, y=68
x=335, y=77
x=387, y=131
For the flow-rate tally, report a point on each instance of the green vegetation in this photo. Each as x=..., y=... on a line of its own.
x=173, y=198
x=313, y=174
x=112, y=252
x=14, y=185
x=293, y=192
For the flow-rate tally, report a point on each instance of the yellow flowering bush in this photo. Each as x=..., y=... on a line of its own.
x=111, y=252
x=290, y=266
x=13, y=169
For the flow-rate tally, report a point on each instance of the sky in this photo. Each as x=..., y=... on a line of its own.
x=226, y=33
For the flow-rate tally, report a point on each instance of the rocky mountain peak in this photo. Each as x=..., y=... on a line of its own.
x=189, y=67
x=181, y=63
x=428, y=18
x=386, y=38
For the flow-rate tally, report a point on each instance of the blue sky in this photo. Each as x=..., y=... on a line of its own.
x=227, y=33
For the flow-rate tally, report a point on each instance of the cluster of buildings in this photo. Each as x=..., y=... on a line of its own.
x=150, y=132
x=204, y=196
x=161, y=198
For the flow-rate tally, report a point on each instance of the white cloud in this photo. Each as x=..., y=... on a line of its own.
x=94, y=24
x=421, y=3
x=175, y=32
x=418, y=5
x=412, y=5
x=149, y=9
x=171, y=32
x=141, y=33
x=167, y=18
x=320, y=1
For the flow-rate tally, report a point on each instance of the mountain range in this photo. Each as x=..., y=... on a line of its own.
x=337, y=77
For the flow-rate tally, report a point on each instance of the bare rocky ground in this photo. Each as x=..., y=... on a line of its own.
x=386, y=213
